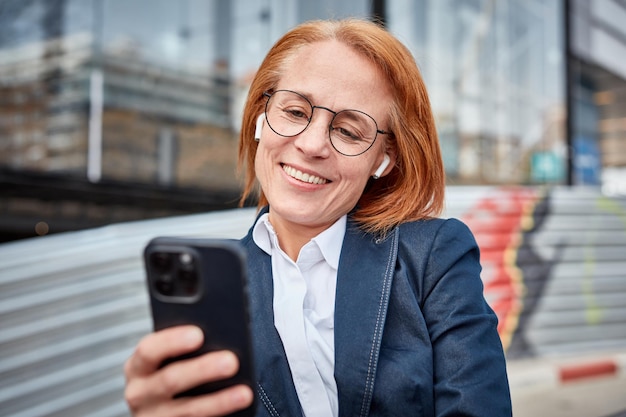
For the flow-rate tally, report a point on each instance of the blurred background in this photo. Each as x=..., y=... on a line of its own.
x=115, y=110
x=119, y=121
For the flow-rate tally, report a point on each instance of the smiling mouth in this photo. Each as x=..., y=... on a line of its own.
x=304, y=177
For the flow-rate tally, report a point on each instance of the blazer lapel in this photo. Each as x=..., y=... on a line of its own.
x=275, y=388
x=364, y=280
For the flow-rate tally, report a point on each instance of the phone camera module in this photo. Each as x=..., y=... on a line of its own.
x=175, y=273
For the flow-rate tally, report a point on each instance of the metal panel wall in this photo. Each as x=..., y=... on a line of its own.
x=73, y=305
x=72, y=308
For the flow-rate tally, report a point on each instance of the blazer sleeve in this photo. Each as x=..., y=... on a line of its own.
x=469, y=366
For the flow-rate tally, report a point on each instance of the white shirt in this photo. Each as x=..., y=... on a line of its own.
x=304, y=308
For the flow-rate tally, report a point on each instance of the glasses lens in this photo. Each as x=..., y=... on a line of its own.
x=288, y=113
x=352, y=132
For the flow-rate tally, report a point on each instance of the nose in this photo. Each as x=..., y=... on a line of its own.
x=315, y=140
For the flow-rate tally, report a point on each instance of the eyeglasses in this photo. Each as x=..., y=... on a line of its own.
x=351, y=132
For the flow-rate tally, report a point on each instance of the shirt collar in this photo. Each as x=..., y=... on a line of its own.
x=329, y=241
x=261, y=233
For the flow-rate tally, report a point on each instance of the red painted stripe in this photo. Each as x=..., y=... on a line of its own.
x=587, y=370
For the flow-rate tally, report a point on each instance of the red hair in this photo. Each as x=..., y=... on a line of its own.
x=415, y=188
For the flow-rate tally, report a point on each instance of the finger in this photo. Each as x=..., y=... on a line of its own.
x=183, y=375
x=219, y=403
x=154, y=348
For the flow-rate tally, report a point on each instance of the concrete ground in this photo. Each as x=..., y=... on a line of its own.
x=588, y=386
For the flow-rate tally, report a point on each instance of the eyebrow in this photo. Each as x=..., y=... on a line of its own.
x=305, y=95
x=308, y=97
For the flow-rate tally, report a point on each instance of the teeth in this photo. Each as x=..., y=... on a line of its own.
x=299, y=175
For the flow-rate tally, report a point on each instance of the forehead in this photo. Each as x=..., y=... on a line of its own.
x=334, y=75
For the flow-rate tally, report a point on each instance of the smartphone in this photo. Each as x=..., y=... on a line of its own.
x=203, y=282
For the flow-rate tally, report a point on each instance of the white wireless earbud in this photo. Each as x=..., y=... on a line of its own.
x=259, y=127
x=382, y=167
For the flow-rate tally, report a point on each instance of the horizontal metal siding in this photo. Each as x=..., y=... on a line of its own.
x=571, y=259
x=73, y=306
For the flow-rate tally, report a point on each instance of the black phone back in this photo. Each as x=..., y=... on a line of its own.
x=203, y=282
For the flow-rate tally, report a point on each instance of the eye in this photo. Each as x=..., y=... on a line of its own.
x=349, y=129
x=346, y=134
x=353, y=126
x=296, y=113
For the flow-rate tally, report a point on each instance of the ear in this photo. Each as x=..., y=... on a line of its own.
x=387, y=164
x=259, y=127
x=382, y=167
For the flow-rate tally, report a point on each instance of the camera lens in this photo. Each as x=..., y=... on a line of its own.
x=161, y=261
x=164, y=285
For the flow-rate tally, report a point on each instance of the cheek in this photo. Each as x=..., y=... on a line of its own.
x=260, y=168
x=261, y=159
x=359, y=172
x=355, y=181
x=265, y=166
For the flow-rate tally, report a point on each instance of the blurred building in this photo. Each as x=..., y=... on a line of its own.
x=114, y=110
x=597, y=82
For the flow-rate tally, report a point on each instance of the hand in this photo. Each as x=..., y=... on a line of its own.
x=150, y=389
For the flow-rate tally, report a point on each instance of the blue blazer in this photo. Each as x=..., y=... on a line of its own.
x=414, y=335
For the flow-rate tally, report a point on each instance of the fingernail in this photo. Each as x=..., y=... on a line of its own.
x=193, y=336
x=227, y=362
x=241, y=396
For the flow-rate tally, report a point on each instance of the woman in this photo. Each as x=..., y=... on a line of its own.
x=362, y=302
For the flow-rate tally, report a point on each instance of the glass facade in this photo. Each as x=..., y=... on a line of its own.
x=495, y=70
x=116, y=90
x=150, y=91
x=146, y=91
x=598, y=93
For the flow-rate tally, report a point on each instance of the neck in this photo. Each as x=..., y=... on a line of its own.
x=292, y=237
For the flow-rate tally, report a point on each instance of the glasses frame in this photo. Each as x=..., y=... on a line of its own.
x=335, y=113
